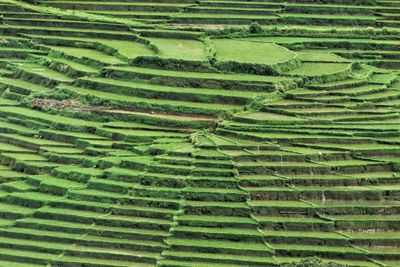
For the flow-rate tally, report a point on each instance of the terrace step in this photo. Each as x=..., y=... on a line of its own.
x=53, y=185
x=382, y=222
x=66, y=259
x=28, y=15
x=124, y=6
x=377, y=238
x=21, y=258
x=95, y=195
x=202, y=259
x=232, y=10
x=339, y=84
x=214, y=194
x=82, y=228
x=102, y=218
x=228, y=247
x=17, y=186
x=240, y=209
x=18, y=264
x=216, y=221
x=30, y=199
x=85, y=240
x=349, y=253
x=197, y=79
x=61, y=23
x=282, y=208
x=200, y=18
x=233, y=234
x=166, y=92
x=157, y=192
x=306, y=238
x=371, y=206
x=8, y=211
x=294, y=223
x=352, y=263
x=68, y=67
x=134, y=102
x=40, y=75
x=180, y=162
x=163, y=203
x=114, y=255
x=241, y=4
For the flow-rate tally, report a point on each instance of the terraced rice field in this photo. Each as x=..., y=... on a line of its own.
x=184, y=133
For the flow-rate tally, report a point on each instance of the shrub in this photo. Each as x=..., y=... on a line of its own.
x=312, y=262
x=365, y=105
x=55, y=94
x=357, y=65
x=255, y=28
x=227, y=31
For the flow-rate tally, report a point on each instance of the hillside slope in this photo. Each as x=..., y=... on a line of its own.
x=199, y=133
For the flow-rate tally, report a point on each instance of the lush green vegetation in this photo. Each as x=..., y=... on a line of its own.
x=188, y=133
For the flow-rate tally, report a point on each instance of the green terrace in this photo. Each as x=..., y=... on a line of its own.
x=199, y=133
x=197, y=79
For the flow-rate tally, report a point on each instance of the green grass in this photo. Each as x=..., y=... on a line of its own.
x=264, y=116
x=251, y=52
x=33, y=141
x=288, y=40
x=184, y=158
x=303, y=234
x=133, y=88
x=23, y=84
x=335, y=249
x=160, y=104
x=10, y=127
x=87, y=53
x=128, y=48
x=319, y=69
x=74, y=65
x=180, y=48
x=307, y=56
x=24, y=157
x=28, y=113
x=202, y=75
x=218, y=244
x=44, y=72
x=7, y=102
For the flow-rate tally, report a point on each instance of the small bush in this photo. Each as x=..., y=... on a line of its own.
x=228, y=31
x=255, y=28
x=357, y=65
x=365, y=105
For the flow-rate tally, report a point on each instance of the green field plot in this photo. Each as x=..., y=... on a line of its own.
x=180, y=48
x=320, y=69
x=128, y=48
x=198, y=18
x=25, y=86
x=43, y=72
x=45, y=117
x=316, y=56
x=326, y=40
x=251, y=52
x=244, y=78
x=265, y=116
x=155, y=104
x=87, y=53
x=169, y=92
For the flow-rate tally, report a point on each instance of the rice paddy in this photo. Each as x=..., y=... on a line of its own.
x=187, y=133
